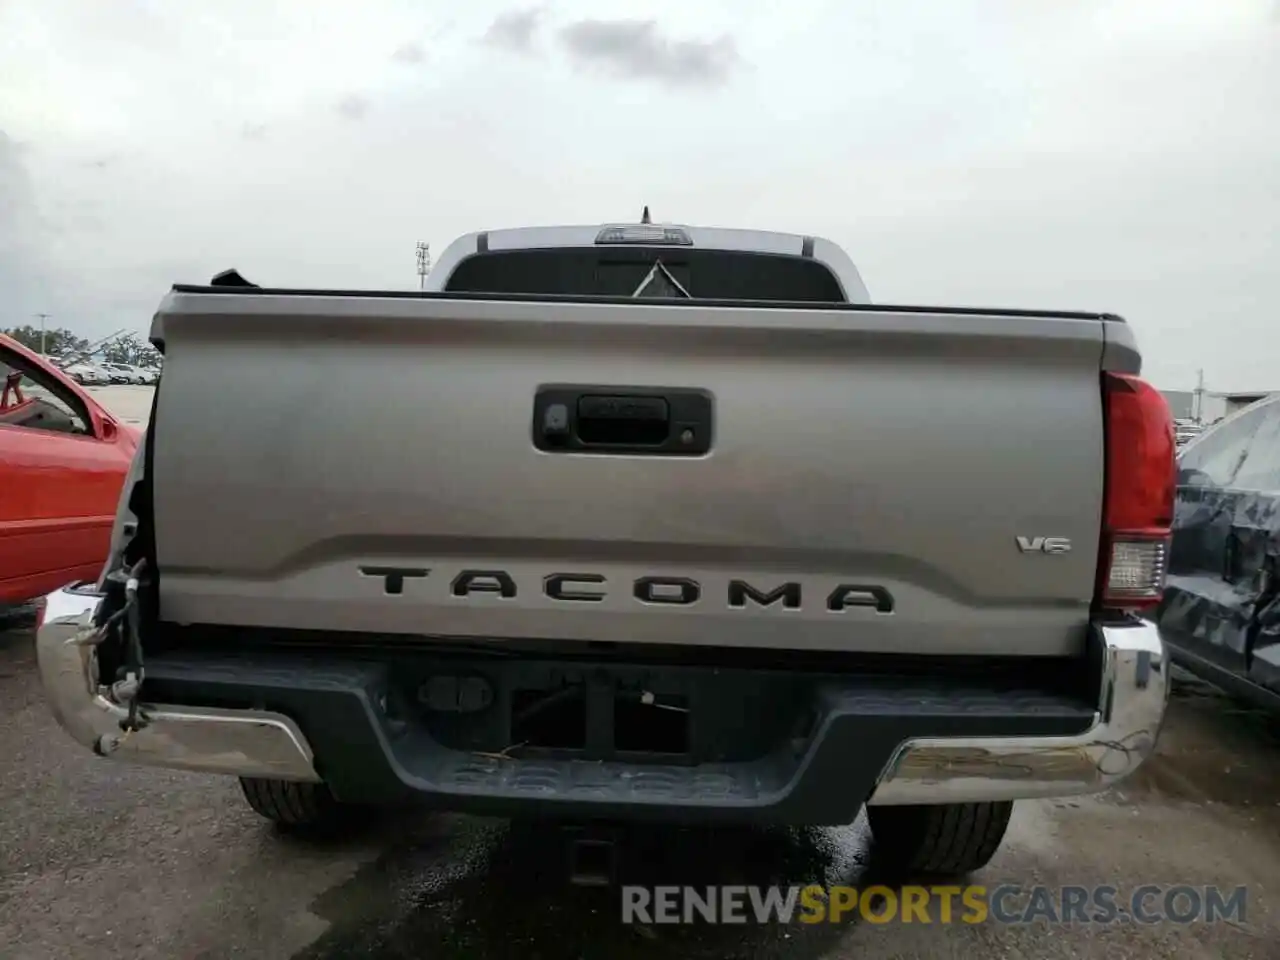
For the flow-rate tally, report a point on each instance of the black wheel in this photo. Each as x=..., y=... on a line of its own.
x=300, y=807
x=951, y=839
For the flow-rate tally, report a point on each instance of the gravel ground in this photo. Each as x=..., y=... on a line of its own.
x=102, y=860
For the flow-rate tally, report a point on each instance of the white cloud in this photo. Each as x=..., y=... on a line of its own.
x=1109, y=155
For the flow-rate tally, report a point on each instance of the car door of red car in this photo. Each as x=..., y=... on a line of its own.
x=62, y=464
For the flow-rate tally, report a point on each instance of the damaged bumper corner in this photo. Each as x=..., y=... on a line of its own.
x=1134, y=693
x=246, y=743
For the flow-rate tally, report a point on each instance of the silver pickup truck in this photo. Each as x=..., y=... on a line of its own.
x=639, y=521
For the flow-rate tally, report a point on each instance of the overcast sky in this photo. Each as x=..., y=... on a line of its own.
x=1120, y=156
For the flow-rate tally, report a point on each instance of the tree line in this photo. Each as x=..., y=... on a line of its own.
x=61, y=342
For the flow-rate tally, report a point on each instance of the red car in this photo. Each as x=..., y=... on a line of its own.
x=63, y=460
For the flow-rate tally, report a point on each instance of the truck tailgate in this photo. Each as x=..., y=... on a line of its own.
x=887, y=477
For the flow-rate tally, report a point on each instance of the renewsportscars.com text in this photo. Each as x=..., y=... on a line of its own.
x=1005, y=903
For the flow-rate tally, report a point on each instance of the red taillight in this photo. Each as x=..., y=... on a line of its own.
x=1138, y=506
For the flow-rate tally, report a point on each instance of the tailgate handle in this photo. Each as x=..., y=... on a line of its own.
x=621, y=420
x=627, y=420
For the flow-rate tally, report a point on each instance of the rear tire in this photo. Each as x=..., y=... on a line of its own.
x=298, y=807
x=949, y=840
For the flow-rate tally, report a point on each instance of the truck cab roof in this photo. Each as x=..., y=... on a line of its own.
x=671, y=242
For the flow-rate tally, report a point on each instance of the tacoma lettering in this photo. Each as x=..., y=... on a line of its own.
x=582, y=587
x=788, y=593
x=850, y=595
x=393, y=578
x=555, y=586
x=484, y=581
x=673, y=590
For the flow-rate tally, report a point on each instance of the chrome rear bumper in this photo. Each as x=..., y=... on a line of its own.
x=247, y=743
x=1134, y=693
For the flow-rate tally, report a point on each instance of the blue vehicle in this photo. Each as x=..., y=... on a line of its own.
x=1220, y=616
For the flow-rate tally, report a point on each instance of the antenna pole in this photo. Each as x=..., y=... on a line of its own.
x=424, y=263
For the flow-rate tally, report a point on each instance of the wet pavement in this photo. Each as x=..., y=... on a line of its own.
x=98, y=860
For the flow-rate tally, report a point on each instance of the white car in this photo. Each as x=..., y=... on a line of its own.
x=149, y=375
x=89, y=374
x=104, y=375
x=127, y=373
x=118, y=372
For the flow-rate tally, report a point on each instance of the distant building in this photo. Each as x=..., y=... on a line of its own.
x=1238, y=401
x=1182, y=403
